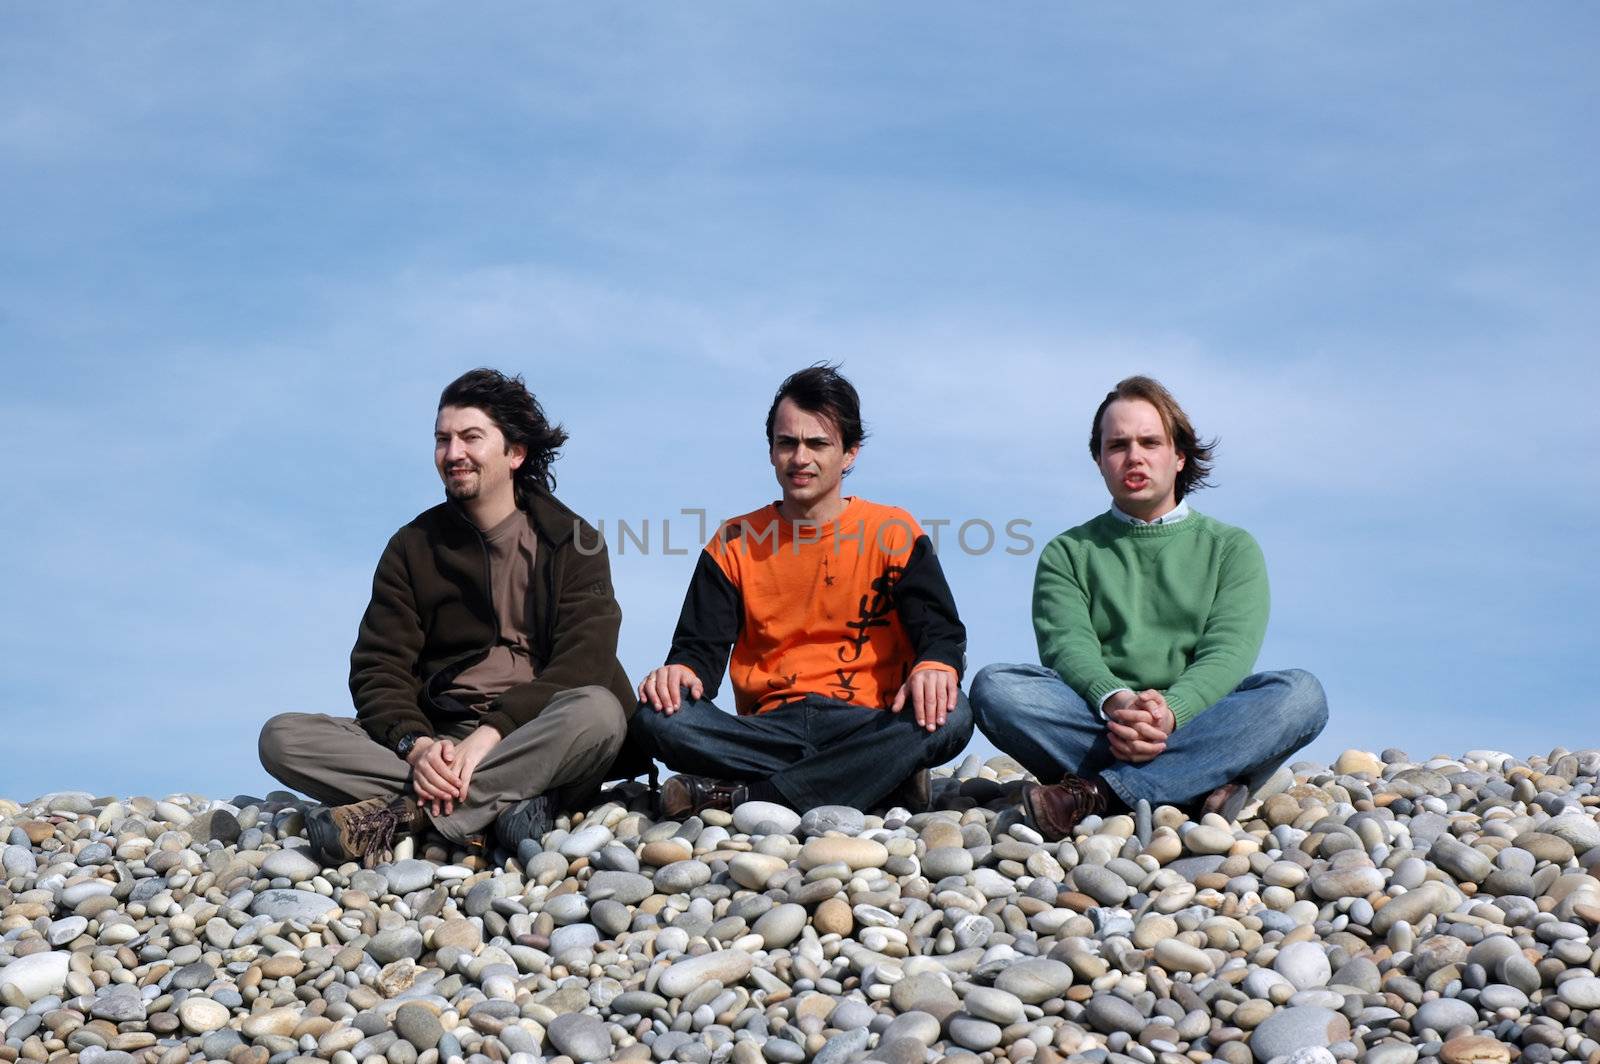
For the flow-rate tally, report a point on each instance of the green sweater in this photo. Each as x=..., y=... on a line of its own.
x=1181, y=608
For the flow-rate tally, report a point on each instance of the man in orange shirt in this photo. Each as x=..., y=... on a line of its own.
x=847, y=650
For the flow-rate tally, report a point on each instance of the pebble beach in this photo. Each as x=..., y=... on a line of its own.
x=1383, y=909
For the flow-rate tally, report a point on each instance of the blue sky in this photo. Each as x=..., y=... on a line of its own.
x=245, y=248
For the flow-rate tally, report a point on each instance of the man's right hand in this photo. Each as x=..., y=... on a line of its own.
x=662, y=689
x=432, y=775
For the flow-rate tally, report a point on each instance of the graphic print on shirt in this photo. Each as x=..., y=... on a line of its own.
x=874, y=612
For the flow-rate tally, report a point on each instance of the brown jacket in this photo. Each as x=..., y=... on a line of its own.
x=431, y=617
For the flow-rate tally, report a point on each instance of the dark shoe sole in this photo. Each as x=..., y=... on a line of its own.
x=531, y=818
x=1231, y=806
x=323, y=835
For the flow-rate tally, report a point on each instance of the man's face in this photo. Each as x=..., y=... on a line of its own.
x=1138, y=460
x=807, y=455
x=469, y=451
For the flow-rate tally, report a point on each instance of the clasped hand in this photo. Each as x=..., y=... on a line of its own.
x=1137, y=725
x=441, y=769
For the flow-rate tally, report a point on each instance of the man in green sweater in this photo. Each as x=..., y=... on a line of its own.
x=1149, y=619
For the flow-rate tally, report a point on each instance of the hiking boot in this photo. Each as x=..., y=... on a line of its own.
x=530, y=818
x=1226, y=801
x=363, y=831
x=914, y=793
x=1054, y=809
x=684, y=796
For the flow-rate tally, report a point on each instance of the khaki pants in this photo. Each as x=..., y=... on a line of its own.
x=334, y=760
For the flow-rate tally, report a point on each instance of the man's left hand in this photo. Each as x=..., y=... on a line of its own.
x=933, y=694
x=1155, y=703
x=470, y=751
x=1138, y=732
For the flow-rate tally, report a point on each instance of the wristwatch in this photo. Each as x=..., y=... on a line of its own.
x=405, y=745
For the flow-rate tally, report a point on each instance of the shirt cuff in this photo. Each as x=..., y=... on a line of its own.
x=1100, y=709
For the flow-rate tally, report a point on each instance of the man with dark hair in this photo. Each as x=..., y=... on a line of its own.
x=846, y=647
x=485, y=676
x=1149, y=619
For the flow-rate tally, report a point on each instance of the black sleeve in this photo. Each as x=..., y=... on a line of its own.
x=709, y=624
x=928, y=610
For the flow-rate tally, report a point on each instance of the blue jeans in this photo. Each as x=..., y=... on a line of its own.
x=816, y=751
x=1030, y=713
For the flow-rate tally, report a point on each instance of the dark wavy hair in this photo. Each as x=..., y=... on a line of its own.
x=821, y=389
x=519, y=417
x=1197, y=453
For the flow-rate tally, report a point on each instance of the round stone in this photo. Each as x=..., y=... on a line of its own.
x=969, y=1032
x=852, y=852
x=780, y=926
x=993, y=1004
x=462, y=934
x=386, y=947
x=924, y=992
x=304, y=906
x=629, y=888
x=580, y=1036
x=200, y=1015
x=1297, y=1027
x=584, y=841
x=1176, y=955
x=1108, y=1012
x=17, y=861
x=37, y=975
x=1410, y=907
x=1443, y=1014
x=834, y=917
x=1460, y=860
x=1579, y=830
x=1347, y=883
x=66, y=929
x=728, y=966
x=680, y=877
x=946, y=861
x=293, y=865
x=1353, y=761
x=1101, y=884
x=1205, y=839
x=765, y=817
x=842, y=819
x=1474, y=1049
x=1304, y=964
x=919, y=1027
x=1500, y=996
x=406, y=876
x=419, y=1025
x=752, y=870
x=574, y=936
x=1036, y=980
x=1581, y=993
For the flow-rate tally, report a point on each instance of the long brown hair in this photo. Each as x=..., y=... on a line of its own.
x=1197, y=453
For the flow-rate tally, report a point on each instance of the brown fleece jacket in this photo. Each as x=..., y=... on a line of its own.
x=431, y=617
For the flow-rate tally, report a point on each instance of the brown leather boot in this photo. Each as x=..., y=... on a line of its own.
x=684, y=796
x=1054, y=809
x=365, y=831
